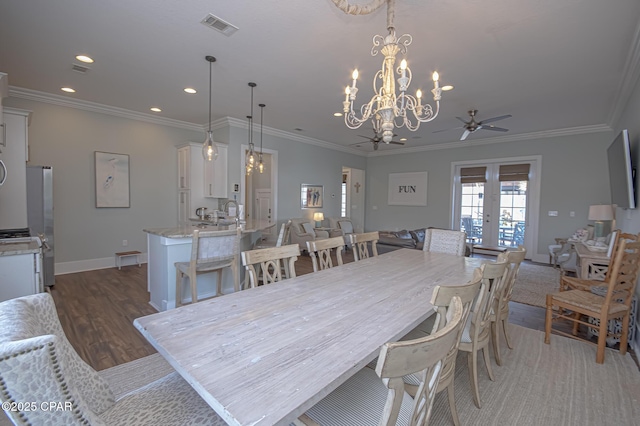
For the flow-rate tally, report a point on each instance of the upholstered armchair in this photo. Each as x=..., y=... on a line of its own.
x=343, y=226
x=302, y=230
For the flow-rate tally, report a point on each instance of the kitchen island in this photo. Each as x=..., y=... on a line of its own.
x=166, y=246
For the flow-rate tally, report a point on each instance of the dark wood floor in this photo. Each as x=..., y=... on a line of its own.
x=97, y=309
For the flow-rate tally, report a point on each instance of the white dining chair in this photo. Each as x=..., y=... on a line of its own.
x=445, y=241
x=320, y=252
x=440, y=300
x=211, y=251
x=361, y=242
x=378, y=397
x=265, y=266
x=476, y=335
x=39, y=365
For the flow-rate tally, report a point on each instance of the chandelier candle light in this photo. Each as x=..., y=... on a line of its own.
x=209, y=147
x=386, y=105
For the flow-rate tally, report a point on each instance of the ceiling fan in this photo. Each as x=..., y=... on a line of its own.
x=472, y=125
x=375, y=140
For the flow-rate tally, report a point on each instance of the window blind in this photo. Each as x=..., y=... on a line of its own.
x=473, y=174
x=514, y=172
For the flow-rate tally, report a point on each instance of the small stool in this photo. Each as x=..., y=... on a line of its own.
x=122, y=254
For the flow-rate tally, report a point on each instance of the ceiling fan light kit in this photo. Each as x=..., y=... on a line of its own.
x=388, y=109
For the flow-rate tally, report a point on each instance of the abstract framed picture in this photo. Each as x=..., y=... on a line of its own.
x=408, y=189
x=112, y=179
x=311, y=196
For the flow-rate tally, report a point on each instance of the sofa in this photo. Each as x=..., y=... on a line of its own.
x=393, y=240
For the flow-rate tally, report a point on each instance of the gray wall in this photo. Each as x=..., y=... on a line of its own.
x=574, y=176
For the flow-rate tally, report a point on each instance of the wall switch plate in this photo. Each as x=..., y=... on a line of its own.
x=553, y=213
x=125, y=243
x=572, y=214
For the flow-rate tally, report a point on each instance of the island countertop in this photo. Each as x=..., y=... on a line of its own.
x=186, y=231
x=11, y=248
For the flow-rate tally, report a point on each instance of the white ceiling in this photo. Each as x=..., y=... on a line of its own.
x=555, y=65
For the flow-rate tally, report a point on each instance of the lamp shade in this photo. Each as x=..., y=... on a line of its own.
x=318, y=216
x=601, y=212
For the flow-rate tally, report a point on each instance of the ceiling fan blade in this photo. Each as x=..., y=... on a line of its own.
x=366, y=137
x=462, y=119
x=397, y=143
x=464, y=135
x=357, y=143
x=446, y=130
x=491, y=120
x=497, y=129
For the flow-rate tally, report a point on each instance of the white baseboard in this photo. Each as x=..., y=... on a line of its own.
x=62, y=268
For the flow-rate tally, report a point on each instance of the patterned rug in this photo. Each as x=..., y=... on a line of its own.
x=534, y=282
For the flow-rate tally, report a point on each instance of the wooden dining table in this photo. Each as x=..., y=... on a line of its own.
x=265, y=355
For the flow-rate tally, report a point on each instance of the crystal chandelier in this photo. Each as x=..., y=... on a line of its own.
x=387, y=108
x=250, y=159
x=209, y=147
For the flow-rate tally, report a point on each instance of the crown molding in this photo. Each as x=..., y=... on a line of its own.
x=242, y=124
x=34, y=95
x=502, y=139
x=630, y=76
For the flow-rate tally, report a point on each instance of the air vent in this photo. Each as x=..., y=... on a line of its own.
x=218, y=24
x=79, y=68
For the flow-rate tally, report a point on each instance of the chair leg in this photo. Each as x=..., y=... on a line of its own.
x=472, y=364
x=178, y=288
x=219, y=283
x=452, y=404
x=576, y=324
x=194, y=289
x=495, y=340
x=505, y=328
x=624, y=335
x=548, y=319
x=487, y=362
x=602, y=340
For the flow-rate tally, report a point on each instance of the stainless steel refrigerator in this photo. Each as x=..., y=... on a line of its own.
x=40, y=215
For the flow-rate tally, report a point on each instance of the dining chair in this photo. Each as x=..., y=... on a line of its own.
x=211, y=251
x=365, y=399
x=477, y=331
x=266, y=266
x=283, y=237
x=500, y=312
x=440, y=300
x=37, y=363
x=320, y=252
x=573, y=304
x=360, y=244
x=445, y=241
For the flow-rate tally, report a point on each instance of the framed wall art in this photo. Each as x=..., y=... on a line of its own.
x=311, y=196
x=408, y=189
x=112, y=179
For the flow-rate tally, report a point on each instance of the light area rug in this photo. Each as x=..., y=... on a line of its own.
x=534, y=282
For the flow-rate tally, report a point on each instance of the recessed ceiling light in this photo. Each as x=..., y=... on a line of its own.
x=403, y=139
x=68, y=90
x=447, y=87
x=85, y=59
x=190, y=90
x=337, y=114
x=155, y=109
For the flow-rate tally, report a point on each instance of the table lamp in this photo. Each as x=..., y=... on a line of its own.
x=318, y=217
x=600, y=212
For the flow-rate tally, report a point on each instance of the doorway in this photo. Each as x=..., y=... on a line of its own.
x=256, y=186
x=353, y=191
x=496, y=202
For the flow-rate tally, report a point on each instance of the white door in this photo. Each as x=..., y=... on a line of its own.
x=263, y=208
x=493, y=202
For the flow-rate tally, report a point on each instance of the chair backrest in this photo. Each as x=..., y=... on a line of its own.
x=271, y=262
x=468, y=227
x=360, y=244
x=37, y=363
x=285, y=234
x=320, y=252
x=618, y=238
x=212, y=246
x=624, y=274
x=518, y=234
x=513, y=258
x=493, y=277
x=441, y=299
x=423, y=357
x=445, y=241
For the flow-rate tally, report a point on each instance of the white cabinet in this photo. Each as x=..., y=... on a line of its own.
x=13, y=192
x=215, y=175
x=199, y=185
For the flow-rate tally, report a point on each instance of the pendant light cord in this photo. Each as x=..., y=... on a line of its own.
x=210, y=84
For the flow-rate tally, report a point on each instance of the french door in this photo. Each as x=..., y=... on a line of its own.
x=492, y=202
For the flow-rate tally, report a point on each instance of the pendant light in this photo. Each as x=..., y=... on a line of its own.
x=209, y=147
x=260, y=163
x=250, y=160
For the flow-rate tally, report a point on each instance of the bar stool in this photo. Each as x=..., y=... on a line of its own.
x=211, y=251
